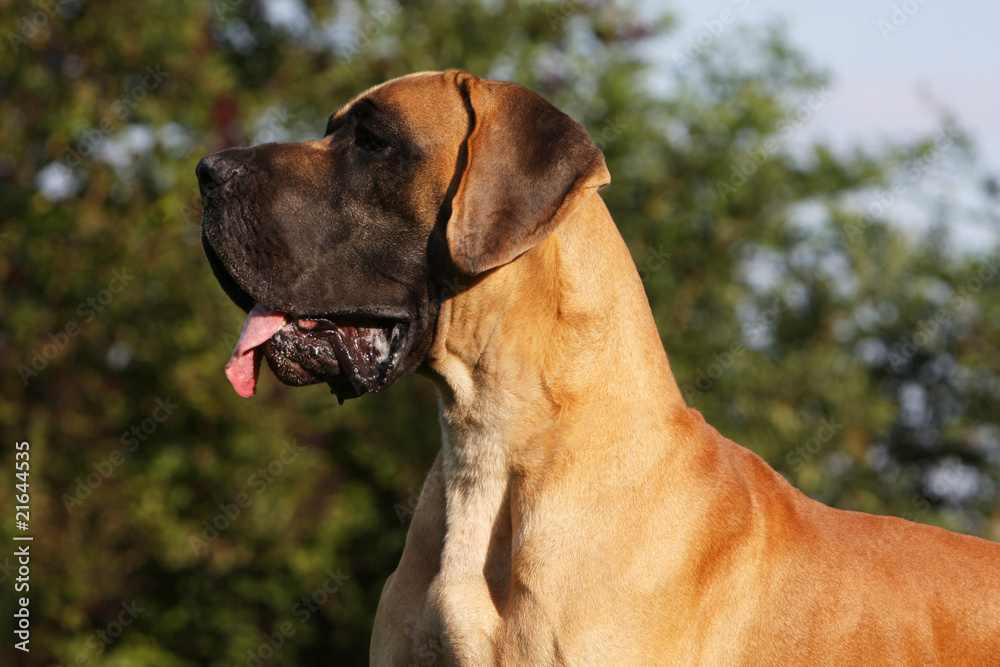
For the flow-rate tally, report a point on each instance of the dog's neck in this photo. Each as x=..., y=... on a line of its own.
x=564, y=307
x=566, y=312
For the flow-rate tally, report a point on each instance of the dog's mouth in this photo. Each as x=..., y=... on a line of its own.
x=352, y=354
x=356, y=342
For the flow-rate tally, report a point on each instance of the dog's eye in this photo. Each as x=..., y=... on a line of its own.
x=368, y=141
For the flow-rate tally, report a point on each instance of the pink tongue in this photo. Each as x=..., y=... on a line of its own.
x=243, y=366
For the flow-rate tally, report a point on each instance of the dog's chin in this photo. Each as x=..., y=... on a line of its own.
x=353, y=357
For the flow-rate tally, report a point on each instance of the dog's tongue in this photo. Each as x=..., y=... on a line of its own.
x=244, y=365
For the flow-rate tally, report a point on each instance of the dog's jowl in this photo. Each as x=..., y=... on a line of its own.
x=451, y=226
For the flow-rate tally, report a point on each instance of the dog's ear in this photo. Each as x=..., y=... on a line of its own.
x=529, y=167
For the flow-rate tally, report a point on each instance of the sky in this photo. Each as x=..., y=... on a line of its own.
x=885, y=58
x=893, y=63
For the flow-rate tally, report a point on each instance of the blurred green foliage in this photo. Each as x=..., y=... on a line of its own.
x=860, y=359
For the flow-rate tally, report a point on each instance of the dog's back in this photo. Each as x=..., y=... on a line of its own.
x=826, y=586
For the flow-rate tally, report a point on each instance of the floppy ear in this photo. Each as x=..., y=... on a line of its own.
x=529, y=167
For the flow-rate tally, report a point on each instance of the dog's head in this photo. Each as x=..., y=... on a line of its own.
x=338, y=248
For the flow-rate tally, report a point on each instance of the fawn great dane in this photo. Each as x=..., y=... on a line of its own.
x=578, y=512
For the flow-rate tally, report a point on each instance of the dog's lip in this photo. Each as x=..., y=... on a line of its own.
x=361, y=352
x=307, y=324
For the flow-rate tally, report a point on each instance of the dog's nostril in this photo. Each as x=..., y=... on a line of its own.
x=213, y=171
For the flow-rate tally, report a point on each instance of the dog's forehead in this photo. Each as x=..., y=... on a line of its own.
x=427, y=102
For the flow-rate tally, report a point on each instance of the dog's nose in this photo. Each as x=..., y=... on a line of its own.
x=213, y=171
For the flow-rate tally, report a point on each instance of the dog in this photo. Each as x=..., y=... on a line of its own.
x=578, y=513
